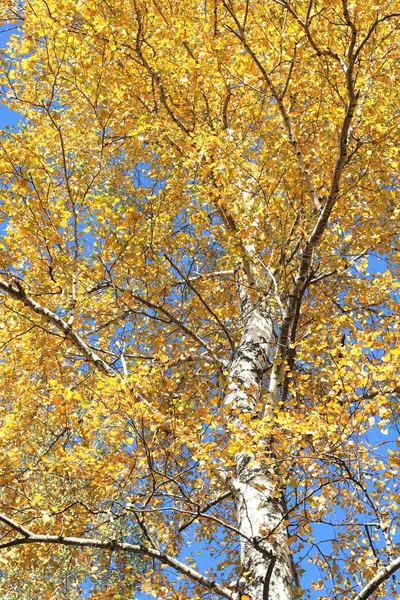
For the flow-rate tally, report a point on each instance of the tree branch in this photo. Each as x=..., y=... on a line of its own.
x=114, y=545
x=177, y=322
x=204, y=303
x=382, y=575
x=204, y=509
x=17, y=292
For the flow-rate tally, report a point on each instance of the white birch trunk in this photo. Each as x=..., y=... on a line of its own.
x=265, y=560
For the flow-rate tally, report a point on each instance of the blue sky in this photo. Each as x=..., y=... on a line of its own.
x=8, y=117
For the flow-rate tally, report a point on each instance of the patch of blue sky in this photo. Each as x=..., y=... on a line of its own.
x=8, y=117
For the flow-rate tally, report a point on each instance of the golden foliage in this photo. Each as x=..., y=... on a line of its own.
x=163, y=146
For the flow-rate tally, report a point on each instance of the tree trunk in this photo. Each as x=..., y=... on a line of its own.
x=265, y=560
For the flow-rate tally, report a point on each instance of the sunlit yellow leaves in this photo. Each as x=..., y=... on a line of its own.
x=153, y=163
x=318, y=585
x=393, y=459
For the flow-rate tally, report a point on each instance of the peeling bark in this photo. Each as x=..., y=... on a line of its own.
x=265, y=560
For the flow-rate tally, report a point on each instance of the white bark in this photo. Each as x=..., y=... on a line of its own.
x=265, y=560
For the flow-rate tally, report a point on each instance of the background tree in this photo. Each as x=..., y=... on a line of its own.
x=195, y=353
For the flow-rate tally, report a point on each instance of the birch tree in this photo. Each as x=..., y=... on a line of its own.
x=200, y=359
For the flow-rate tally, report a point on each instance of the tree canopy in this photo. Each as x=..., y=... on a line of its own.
x=200, y=356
